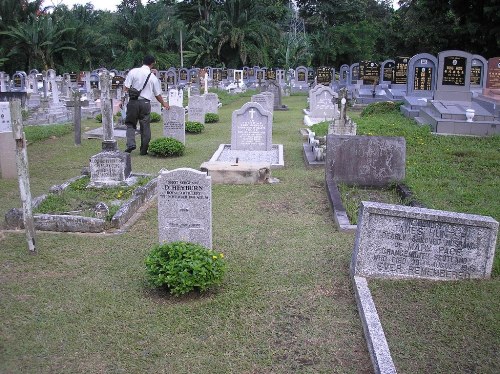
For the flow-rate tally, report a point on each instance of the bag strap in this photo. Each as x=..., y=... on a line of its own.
x=145, y=83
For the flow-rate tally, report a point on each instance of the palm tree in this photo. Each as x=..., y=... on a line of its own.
x=39, y=40
x=244, y=33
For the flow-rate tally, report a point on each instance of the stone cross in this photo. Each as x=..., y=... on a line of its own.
x=108, y=139
x=77, y=118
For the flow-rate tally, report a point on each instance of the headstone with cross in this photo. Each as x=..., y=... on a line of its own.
x=251, y=128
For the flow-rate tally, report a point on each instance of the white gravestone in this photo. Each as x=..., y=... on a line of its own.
x=174, y=123
x=175, y=97
x=196, y=109
x=185, y=206
x=8, y=166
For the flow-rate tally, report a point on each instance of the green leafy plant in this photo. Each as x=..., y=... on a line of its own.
x=155, y=117
x=98, y=118
x=320, y=129
x=211, y=118
x=165, y=147
x=183, y=267
x=194, y=127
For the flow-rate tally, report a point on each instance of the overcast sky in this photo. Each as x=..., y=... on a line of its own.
x=108, y=4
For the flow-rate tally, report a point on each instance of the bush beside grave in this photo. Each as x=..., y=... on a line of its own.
x=155, y=117
x=211, y=118
x=166, y=147
x=183, y=267
x=194, y=127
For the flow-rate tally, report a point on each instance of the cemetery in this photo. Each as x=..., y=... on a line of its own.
x=307, y=204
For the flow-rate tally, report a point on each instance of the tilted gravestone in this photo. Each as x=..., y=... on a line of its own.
x=251, y=128
x=185, y=206
x=365, y=160
x=394, y=241
x=174, y=123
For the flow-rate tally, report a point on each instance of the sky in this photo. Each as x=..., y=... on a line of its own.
x=109, y=4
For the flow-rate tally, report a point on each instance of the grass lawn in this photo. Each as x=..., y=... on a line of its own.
x=286, y=305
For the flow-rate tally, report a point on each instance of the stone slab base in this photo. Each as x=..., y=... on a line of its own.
x=238, y=173
x=275, y=156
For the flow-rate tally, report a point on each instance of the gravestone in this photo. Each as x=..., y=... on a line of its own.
x=8, y=166
x=323, y=103
x=174, y=123
x=212, y=102
x=109, y=168
x=261, y=99
x=492, y=89
x=387, y=72
x=324, y=75
x=394, y=241
x=185, y=206
x=365, y=160
x=270, y=100
x=401, y=70
x=453, y=82
x=196, y=109
x=183, y=77
x=275, y=89
x=343, y=75
x=251, y=128
x=301, y=80
x=369, y=72
x=175, y=97
x=421, y=83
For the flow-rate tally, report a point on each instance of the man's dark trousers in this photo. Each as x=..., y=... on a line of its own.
x=138, y=110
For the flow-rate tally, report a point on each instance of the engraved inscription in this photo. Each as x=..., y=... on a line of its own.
x=454, y=71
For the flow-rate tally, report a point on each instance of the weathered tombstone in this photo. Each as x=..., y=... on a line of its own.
x=251, y=128
x=109, y=168
x=4, y=79
x=185, y=206
x=196, y=109
x=212, y=102
x=323, y=103
x=275, y=89
x=77, y=105
x=174, y=123
x=270, y=100
x=395, y=241
x=261, y=99
x=7, y=143
x=108, y=140
x=365, y=160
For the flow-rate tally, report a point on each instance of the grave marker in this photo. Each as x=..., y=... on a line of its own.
x=251, y=128
x=394, y=241
x=174, y=123
x=196, y=109
x=185, y=206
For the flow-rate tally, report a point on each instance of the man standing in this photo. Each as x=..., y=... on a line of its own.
x=140, y=109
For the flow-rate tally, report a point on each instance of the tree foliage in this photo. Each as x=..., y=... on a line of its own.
x=235, y=33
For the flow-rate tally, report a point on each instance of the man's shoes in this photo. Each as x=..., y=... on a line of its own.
x=143, y=153
x=129, y=149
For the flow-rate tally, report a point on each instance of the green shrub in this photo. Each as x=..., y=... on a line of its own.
x=183, y=267
x=155, y=117
x=98, y=118
x=165, y=147
x=211, y=117
x=194, y=127
x=381, y=107
x=320, y=129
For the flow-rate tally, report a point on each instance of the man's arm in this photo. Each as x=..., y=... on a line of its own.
x=162, y=102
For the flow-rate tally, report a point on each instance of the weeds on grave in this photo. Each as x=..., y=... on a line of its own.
x=81, y=200
x=211, y=118
x=183, y=267
x=320, y=129
x=194, y=127
x=39, y=133
x=381, y=107
x=166, y=147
